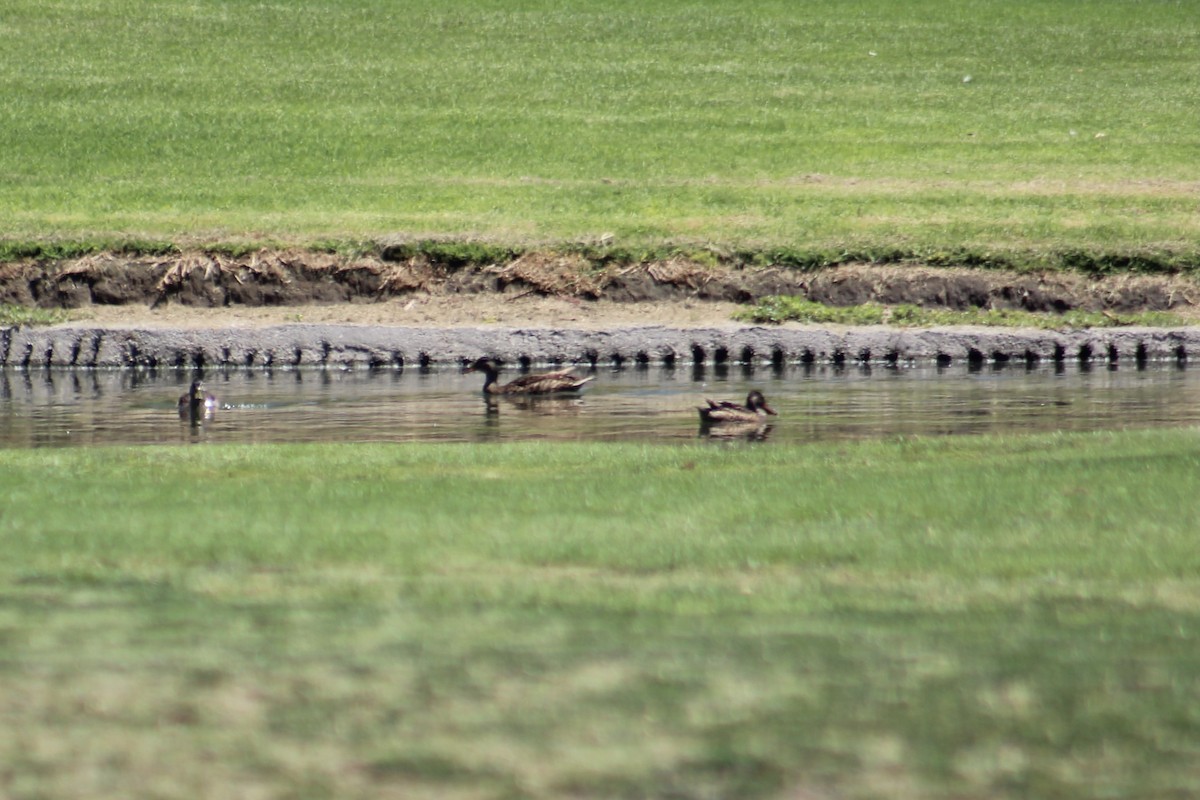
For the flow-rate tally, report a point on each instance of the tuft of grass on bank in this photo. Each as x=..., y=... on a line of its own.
x=944, y=617
x=1000, y=129
x=788, y=308
x=22, y=315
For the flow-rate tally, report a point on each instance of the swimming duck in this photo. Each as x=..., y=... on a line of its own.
x=196, y=404
x=755, y=410
x=544, y=383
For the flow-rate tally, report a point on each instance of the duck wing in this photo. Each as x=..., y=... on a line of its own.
x=725, y=411
x=724, y=405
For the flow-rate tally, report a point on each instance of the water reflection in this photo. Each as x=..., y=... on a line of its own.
x=60, y=407
x=738, y=431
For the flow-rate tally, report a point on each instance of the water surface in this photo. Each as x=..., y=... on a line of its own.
x=62, y=407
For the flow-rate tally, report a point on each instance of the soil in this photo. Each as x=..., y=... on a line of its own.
x=201, y=290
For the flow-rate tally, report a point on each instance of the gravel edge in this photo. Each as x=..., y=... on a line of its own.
x=353, y=346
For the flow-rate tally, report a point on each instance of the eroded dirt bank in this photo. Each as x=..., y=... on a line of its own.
x=302, y=278
x=282, y=310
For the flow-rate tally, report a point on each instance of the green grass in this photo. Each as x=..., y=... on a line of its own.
x=21, y=315
x=915, y=618
x=788, y=308
x=839, y=126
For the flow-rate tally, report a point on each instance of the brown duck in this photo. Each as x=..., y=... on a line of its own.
x=544, y=383
x=755, y=410
x=196, y=404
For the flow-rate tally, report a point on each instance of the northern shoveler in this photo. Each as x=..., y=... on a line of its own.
x=755, y=410
x=543, y=383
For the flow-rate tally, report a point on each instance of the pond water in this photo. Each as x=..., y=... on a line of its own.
x=65, y=408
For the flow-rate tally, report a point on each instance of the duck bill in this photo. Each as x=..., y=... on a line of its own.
x=768, y=409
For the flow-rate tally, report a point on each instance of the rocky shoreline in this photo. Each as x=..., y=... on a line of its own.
x=374, y=346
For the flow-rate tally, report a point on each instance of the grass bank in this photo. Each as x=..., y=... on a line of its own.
x=788, y=308
x=1012, y=130
x=21, y=315
x=982, y=617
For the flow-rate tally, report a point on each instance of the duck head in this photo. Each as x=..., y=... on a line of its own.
x=756, y=402
x=485, y=365
x=489, y=368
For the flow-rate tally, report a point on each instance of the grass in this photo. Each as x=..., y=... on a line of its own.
x=848, y=127
x=788, y=308
x=22, y=315
x=955, y=617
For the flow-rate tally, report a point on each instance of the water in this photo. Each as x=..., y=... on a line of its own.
x=67, y=408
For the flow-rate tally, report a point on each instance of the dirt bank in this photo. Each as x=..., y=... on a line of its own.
x=283, y=309
x=288, y=286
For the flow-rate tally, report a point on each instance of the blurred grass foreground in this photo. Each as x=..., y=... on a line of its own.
x=958, y=617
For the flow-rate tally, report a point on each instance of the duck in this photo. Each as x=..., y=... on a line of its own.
x=755, y=410
x=196, y=404
x=543, y=383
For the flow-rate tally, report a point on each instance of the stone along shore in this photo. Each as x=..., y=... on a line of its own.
x=350, y=346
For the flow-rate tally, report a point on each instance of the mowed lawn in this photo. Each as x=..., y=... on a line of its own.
x=973, y=617
x=1033, y=126
x=970, y=617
